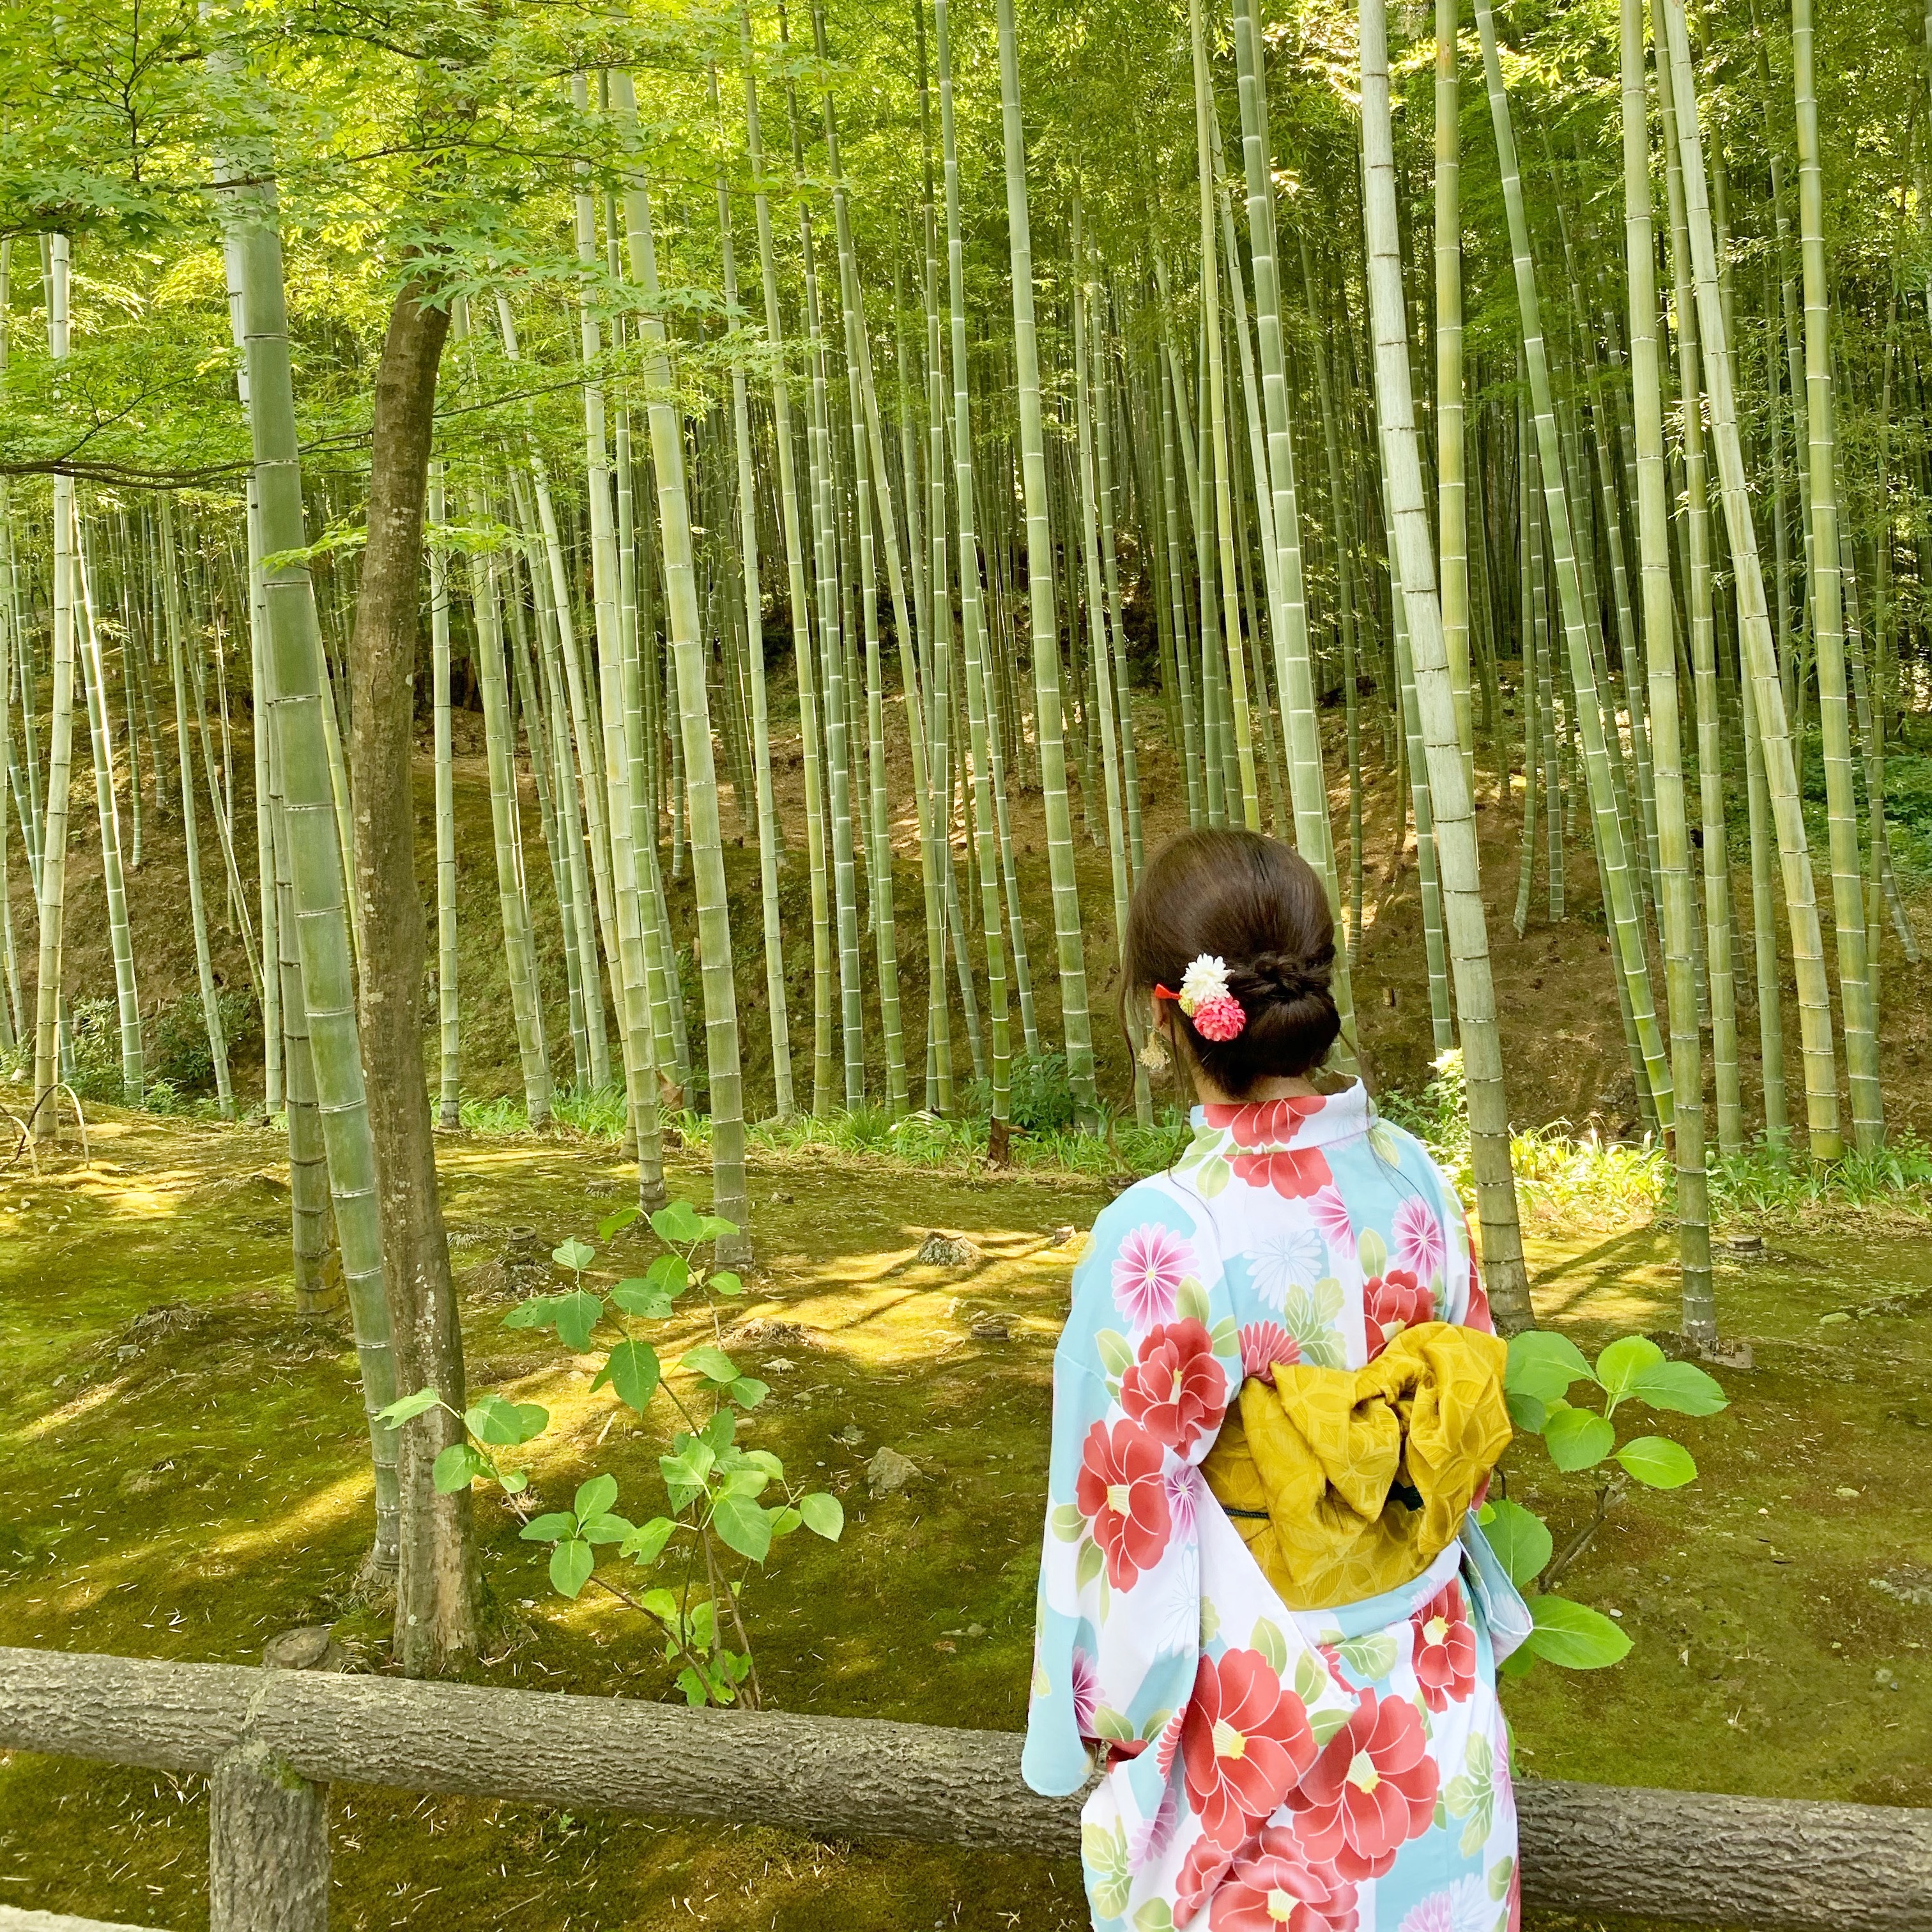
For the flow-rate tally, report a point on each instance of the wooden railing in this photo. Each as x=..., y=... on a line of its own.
x=273, y=1741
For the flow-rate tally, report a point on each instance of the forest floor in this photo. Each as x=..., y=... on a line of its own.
x=184, y=1470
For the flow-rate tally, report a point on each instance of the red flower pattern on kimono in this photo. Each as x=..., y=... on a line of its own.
x=1265, y=1123
x=1200, y=1871
x=1478, y=1316
x=1246, y=1740
x=1176, y=1391
x=1274, y=1885
x=1294, y=1173
x=1266, y=1346
x=1444, y=1653
x=1121, y=1493
x=1391, y=1302
x=1372, y=1789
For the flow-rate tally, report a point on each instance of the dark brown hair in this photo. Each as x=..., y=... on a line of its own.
x=1261, y=908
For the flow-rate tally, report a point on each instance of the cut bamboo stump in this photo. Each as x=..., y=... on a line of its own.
x=1778, y=1865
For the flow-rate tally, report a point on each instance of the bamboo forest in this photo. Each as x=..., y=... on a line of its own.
x=606, y=610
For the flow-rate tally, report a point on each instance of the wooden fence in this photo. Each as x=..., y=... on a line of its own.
x=273, y=1742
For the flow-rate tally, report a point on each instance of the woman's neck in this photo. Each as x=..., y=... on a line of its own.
x=1283, y=1087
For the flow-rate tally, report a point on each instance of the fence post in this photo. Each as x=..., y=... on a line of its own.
x=268, y=1839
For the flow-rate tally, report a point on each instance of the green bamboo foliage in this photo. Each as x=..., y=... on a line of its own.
x=1827, y=636
x=1678, y=904
x=1766, y=692
x=1455, y=822
x=1619, y=893
x=1076, y=1026
x=714, y=926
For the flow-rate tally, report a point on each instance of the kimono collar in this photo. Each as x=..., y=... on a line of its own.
x=1299, y=1121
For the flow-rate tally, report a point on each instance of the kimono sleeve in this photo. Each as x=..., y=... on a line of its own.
x=1146, y=1367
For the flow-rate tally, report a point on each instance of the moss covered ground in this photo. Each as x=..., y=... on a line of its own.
x=183, y=1467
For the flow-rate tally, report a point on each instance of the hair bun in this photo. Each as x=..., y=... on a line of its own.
x=1289, y=976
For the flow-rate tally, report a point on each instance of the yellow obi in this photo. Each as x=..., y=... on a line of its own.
x=1345, y=1483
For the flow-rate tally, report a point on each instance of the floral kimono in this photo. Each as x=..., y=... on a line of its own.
x=1342, y=1770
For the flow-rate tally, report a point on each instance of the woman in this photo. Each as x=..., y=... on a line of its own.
x=1265, y=1613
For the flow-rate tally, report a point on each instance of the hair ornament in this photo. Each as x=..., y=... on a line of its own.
x=1204, y=997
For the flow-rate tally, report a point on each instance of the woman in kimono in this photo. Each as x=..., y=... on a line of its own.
x=1266, y=1617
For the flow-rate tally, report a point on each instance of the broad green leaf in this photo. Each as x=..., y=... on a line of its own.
x=1214, y=1177
x=1500, y=1875
x=550, y=1528
x=824, y=1515
x=1573, y=1636
x=617, y=1221
x=743, y=1526
x=1682, y=1386
x=456, y=1468
x=764, y=1458
x=571, y=1564
x=1521, y=1540
x=578, y=1313
x=662, y=1604
x=693, y=1687
x=645, y=1544
x=1088, y=1564
x=747, y=1391
x=1628, y=1359
x=671, y=1272
x=1657, y=1462
x=513, y=1481
x=409, y=1409
x=1543, y=1363
x=1066, y=1523
x=577, y=1256
x=637, y=1296
x=1527, y=1413
x=632, y=1371
x=1312, y=1683
x=1225, y=1338
x=1577, y=1439
x=595, y=1497
x=720, y=1429
x=1115, y=1351
x=1372, y=1251
x=606, y=1529
x=713, y=1364
x=538, y=1311
x=715, y=1227
x=678, y=1224
x=785, y=1520
x=1372, y=1657
x=725, y=1282
x=1325, y=1721
x=1154, y=1916
x=503, y=1423
x=1191, y=1304
x=1108, y=1723
x=1267, y=1638
x=746, y=1480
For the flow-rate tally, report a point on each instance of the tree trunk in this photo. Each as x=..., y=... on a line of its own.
x=435, y=1575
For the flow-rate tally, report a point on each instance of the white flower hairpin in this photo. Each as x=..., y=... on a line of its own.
x=1204, y=998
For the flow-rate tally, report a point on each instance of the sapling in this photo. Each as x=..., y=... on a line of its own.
x=713, y=1486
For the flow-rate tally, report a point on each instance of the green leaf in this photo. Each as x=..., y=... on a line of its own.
x=1573, y=1636
x=571, y=1564
x=1108, y=1723
x=408, y=1409
x=747, y=1479
x=1325, y=1722
x=1115, y=1351
x=1620, y=1366
x=550, y=1528
x=578, y=1313
x=694, y=1687
x=617, y=1221
x=764, y=1458
x=785, y=1520
x=1088, y=1564
x=713, y=1364
x=715, y=1227
x=1657, y=1462
x=637, y=1296
x=577, y=1256
x=503, y=1423
x=1577, y=1439
x=1543, y=1363
x=632, y=1370
x=1066, y=1523
x=457, y=1467
x=1312, y=1683
x=1500, y=1875
x=595, y=1497
x=1267, y=1638
x=743, y=1526
x=1522, y=1542
x=1154, y=1916
x=1372, y=1251
x=537, y=1311
x=747, y=1391
x=1682, y=1386
x=645, y=1544
x=678, y=1224
x=671, y=1272
x=824, y=1515
x=1372, y=1657
x=725, y=1282
x=1191, y=1303
x=1527, y=1413
x=513, y=1481
x=606, y=1529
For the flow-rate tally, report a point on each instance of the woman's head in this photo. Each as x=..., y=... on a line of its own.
x=1259, y=906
